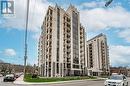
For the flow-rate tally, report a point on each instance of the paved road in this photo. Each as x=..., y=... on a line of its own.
x=81, y=83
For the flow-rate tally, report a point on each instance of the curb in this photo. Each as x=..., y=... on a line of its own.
x=45, y=83
x=58, y=82
x=20, y=81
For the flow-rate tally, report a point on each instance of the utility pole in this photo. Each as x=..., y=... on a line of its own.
x=26, y=33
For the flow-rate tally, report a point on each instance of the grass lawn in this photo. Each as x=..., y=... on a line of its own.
x=28, y=78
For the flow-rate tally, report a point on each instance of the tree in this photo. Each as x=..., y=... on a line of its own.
x=4, y=69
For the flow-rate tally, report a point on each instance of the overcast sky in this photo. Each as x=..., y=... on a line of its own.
x=114, y=21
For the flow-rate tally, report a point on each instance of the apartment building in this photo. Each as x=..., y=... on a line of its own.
x=97, y=56
x=61, y=50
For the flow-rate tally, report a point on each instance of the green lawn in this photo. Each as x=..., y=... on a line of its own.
x=28, y=78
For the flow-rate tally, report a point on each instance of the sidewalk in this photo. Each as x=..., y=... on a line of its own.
x=20, y=81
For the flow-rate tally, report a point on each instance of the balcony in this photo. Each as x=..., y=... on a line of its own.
x=68, y=59
x=81, y=42
x=81, y=36
x=68, y=35
x=68, y=51
x=81, y=51
x=68, y=41
x=68, y=30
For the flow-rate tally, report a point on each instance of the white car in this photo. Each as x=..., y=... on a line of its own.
x=116, y=80
x=9, y=77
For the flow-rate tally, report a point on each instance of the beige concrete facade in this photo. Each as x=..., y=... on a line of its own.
x=97, y=56
x=61, y=50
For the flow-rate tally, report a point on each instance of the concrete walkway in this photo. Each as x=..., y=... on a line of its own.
x=20, y=81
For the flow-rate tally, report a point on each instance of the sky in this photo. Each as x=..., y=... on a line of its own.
x=113, y=21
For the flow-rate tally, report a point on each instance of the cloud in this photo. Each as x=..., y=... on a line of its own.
x=93, y=4
x=98, y=4
x=1, y=61
x=9, y=52
x=120, y=55
x=125, y=34
x=98, y=19
x=36, y=36
x=36, y=15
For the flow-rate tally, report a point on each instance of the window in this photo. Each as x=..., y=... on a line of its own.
x=50, y=24
x=50, y=12
x=57, y=67
x=50, y=36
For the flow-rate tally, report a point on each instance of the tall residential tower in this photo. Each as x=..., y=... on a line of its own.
x=62, y=44
x=98, y=56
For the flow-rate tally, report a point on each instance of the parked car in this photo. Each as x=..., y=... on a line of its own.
x=16, y=76
x=116, y=80
x=9, y=77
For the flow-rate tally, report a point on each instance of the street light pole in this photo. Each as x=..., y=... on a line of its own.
x=26, y=32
